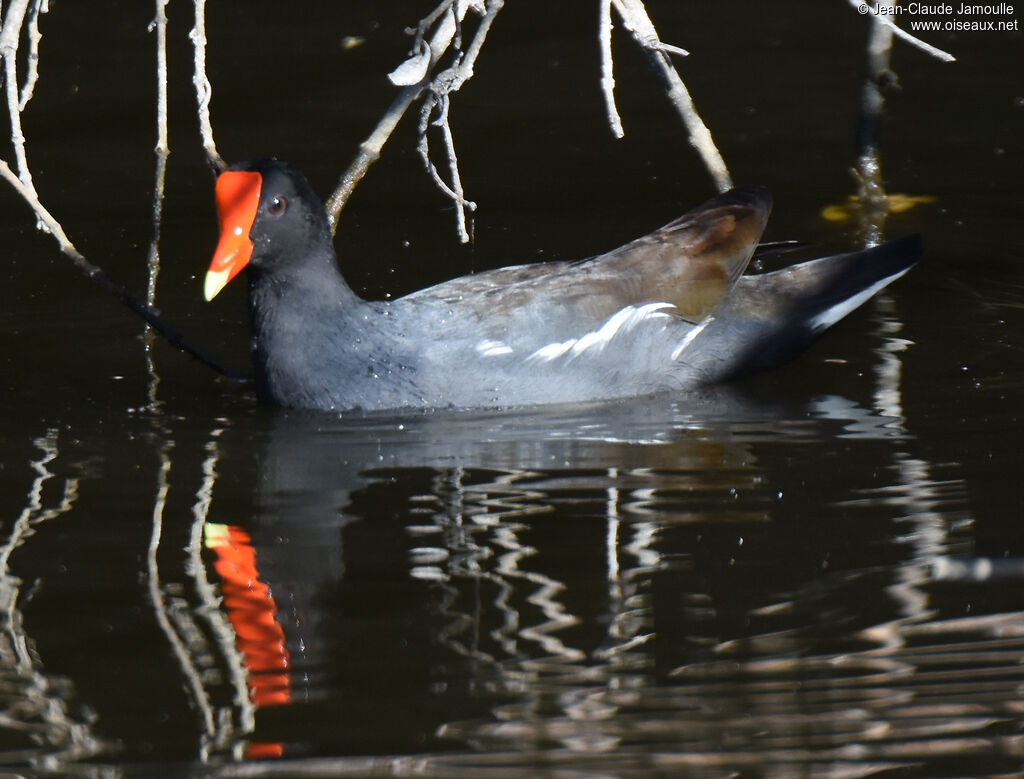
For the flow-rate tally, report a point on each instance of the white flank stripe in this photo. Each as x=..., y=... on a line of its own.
x=688, y=339
x=493, y=348
x=552, y=351
x=830, y=316
x=622, y=321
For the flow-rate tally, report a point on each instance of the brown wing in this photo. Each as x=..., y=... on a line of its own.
x=691, y=262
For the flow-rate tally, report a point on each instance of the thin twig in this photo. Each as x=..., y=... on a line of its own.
x=945, y=56
x=370, y=149
x=455, y=191
x=22, y=183
x=162, y=150
x=870, y=184
x=427, y=22
x=32, y=61
x=607, y=68
x=879, y=54
x=465, y=70
x=873, y=204
x=441, y=87
x=449, y=15
x=634, y=16
x=44, y=217
x=9, y=40
x=635, y=19
x=98, y=277
x=204, y=90
x=458, y=194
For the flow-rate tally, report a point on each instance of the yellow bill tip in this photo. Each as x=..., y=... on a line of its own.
x=215, y=282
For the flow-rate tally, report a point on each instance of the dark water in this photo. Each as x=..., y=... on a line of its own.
x=817, y=572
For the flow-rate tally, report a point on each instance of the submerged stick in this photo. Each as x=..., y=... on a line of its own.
x=873, y=202
x=870, y=184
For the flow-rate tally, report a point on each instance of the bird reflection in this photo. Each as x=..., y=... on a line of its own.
x=252, y=613
x=611, y=588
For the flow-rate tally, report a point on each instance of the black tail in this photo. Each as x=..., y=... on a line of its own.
x=775, y=315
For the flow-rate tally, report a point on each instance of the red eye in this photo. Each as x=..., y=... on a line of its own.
x=277, y=206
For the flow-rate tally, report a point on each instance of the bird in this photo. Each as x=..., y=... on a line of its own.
x=673, y=311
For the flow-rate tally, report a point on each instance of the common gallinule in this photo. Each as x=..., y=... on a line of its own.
x=667, y=312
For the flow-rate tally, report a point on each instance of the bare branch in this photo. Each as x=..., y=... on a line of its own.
x=458, y=194
x=634, y=17
x=34, y=36
x=162, y=151
x=162, y=146
x=885, y=19
x=98, y=277
x=441, y=88
x=455, y=191
x=9, y=39
x=465, y=70
x=45, y=218
x=10, y=35
x=607, y=68
x=427, y=22
x=369, y=150
x=446, y=19
x=871, y=189
x=873, y=204
x=204, y=90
